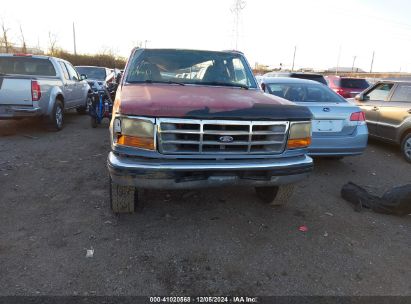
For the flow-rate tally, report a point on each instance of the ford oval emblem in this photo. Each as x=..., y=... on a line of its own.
x=226, y=139
x=326, y=109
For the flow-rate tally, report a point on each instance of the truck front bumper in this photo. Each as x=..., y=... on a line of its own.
x=183, y=174
x=10, y=111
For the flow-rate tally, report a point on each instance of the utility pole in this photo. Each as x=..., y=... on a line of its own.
x=353, y=63
x=295, y=50
x=145, y=43
x=74, y=40
x=238, y=6
x=372, y=61
x=338, y=61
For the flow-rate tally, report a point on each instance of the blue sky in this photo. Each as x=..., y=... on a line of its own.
x=269, y=30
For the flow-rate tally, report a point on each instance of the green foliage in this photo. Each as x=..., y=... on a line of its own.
x=104, y=60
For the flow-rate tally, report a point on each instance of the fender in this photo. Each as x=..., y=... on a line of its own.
x=403, y=129
x=55, y=91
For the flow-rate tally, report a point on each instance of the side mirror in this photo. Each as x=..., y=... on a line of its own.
x=118, y=78
x=362, y=97
x=83, y=76
x=263, y=86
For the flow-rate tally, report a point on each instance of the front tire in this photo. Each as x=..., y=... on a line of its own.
x=406, y=147
x=275, y=195
x=57, y=115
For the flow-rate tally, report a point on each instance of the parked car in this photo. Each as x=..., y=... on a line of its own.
x=347, y=87
x=213, y=129
x=311, y=76
x=338, y=127
x=40, y=86
x=387, y=107
x=103, y=76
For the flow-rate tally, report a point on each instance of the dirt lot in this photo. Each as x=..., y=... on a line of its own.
x=54, y=206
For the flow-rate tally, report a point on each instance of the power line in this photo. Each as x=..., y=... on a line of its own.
x=238, y=6
x=295, y=50
x=372, y=61
x=74, y=40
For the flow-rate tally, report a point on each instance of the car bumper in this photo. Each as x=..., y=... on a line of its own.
x=184, y=174
x=354, y=144
x=9, y=111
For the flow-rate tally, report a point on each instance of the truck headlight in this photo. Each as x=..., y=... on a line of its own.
x=300, y=135
x=134, y=132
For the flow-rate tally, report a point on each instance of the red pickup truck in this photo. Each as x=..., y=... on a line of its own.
x=191, y=119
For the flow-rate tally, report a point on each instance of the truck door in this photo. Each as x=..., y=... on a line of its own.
x=68, y=86
x=393, y=112
x=78, y=98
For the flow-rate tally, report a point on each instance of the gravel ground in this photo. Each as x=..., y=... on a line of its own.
x=54, y=206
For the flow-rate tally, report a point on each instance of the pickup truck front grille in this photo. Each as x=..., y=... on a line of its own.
x=192, y=136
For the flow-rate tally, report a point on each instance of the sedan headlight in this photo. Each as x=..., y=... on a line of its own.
x=134, y=132
x=300, y=135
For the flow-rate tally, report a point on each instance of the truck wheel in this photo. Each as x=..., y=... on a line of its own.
x=93, y=121
x=125, y=199
x=57, y=115
x=275, y=195
x=406, y=147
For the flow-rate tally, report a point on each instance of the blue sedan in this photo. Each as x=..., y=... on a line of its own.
x=338, y=126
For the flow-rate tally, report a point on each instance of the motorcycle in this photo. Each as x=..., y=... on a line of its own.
x=101, y=105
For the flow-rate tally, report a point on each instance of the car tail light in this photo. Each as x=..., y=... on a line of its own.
x=357, y=116
x=35, y=90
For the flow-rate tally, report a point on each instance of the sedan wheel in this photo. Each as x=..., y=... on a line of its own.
x=59, y=117
x=406, y=147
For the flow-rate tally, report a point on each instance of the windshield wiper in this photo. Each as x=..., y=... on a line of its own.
x=223, y=84
x=158, y=81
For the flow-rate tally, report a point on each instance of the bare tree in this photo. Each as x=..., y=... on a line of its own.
x=52, y=43
x=23, y=41
x=5, y=38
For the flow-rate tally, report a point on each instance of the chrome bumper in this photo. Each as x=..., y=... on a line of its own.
x=183, y=174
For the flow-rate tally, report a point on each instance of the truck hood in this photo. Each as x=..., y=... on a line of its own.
x=205, y=102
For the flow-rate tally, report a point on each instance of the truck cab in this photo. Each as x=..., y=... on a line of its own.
x=214, y=127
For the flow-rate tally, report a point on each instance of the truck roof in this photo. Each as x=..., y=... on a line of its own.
x=198, y=50
x=24, y=55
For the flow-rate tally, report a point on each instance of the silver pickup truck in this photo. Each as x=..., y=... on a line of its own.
x=40, y=86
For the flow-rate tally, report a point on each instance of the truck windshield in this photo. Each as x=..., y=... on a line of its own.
x=190, y=67
x=26, y=66
x=95, y=73
x=301, y=92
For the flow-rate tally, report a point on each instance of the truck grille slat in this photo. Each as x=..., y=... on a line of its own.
x=192, y=136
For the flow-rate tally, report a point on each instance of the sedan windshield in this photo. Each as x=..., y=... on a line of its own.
x=96, y=73
x=353, y=83
x=303, y=92
x=190, y=67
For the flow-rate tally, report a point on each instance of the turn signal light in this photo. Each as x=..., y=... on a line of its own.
x=299, y=143
x=138, y=142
